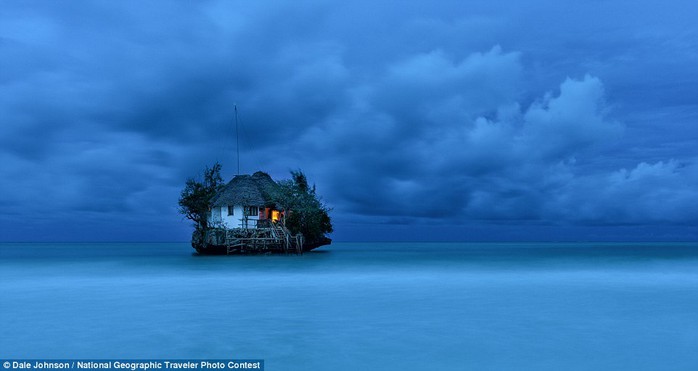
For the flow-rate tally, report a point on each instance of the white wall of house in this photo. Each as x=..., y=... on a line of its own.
x=237, y=220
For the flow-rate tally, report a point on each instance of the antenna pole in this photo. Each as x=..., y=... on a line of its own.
x=237, y=137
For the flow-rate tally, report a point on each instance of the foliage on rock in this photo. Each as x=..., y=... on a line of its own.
x=305, y=211
x=195, y=199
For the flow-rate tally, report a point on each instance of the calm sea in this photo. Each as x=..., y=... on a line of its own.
x=372, y=306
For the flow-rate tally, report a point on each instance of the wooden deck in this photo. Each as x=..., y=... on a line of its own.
x=265, y=238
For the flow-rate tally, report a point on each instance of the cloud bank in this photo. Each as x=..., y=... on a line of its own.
x=418, y=115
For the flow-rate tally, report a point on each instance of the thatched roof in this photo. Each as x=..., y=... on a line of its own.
x=247, y=190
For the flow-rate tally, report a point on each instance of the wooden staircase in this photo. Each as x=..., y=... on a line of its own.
x=290, y=243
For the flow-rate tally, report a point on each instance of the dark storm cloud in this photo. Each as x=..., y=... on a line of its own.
x=543, y=112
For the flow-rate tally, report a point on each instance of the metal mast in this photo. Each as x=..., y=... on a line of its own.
x=237, y=137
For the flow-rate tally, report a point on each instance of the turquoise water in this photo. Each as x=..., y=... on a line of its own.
x=417, y=306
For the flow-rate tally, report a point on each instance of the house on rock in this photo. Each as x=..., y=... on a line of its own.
x=245, y=218
x=246, y=202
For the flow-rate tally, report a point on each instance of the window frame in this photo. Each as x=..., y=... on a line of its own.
x=248, y=211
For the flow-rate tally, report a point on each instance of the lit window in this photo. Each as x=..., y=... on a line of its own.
x=231, y=210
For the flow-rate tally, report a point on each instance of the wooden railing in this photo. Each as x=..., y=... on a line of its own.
x=269, y=238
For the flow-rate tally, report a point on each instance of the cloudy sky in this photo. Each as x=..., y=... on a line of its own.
x=417, y=120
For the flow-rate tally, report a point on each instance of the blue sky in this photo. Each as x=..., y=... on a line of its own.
x=480, y=120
